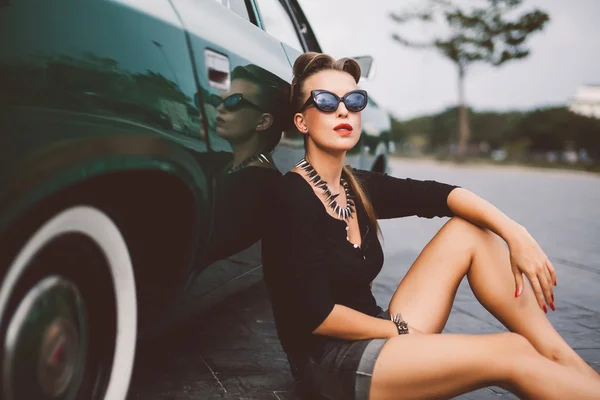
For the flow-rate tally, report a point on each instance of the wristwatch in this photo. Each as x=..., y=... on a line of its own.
x=401, y=324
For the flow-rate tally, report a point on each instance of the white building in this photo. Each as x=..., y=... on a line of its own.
x=587, y=101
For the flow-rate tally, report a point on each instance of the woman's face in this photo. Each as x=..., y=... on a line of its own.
x=237, y=125
x=327, y=130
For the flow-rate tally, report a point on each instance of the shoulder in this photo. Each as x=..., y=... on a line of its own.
x=293, y=208
x=294, y=194
x=372, y=181
x=291, y=185
x=375, y=179
x=365, y=175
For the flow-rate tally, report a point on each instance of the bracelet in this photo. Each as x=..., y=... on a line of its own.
x=401, y=324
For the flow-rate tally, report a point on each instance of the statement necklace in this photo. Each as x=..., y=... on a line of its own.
x=317, y=181
x=260, y=157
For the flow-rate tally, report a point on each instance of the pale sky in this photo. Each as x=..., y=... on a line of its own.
x=409, y=82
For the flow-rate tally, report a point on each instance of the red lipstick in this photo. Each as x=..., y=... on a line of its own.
x=343, y=129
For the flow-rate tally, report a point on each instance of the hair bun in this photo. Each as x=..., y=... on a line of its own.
x=310, y=63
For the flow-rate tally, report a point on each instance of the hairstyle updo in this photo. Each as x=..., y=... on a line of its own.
x=311, y=63
x=274, y=93
x=307, y=65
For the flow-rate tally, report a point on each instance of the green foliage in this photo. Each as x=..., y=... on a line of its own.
x=555, y=128
x=477, y=34
x=494, y=128
x=547, y=129
x=399, y=132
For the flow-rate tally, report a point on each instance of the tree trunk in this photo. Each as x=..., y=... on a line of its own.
x=464, y=133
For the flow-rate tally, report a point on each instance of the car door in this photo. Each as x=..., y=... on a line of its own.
x=244, y=75
x=96, y=114
x=275, y=17
x=101, y=88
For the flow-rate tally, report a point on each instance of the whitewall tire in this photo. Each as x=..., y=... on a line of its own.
x=98, y=228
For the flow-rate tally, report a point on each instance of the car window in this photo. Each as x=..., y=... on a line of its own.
x=277, y=23
x=237, y=6
x=312, y=44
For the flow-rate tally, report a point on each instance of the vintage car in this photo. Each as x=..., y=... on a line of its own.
x=139, y=141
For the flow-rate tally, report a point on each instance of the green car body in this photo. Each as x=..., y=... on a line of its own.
x=117, y=195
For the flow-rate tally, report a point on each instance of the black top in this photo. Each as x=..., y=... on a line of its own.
x=308, y=263
x=243, y=202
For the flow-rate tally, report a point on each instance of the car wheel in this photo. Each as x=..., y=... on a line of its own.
x=68, y=312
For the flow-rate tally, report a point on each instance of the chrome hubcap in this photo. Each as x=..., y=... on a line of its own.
x=45, y=343
x=58, y=356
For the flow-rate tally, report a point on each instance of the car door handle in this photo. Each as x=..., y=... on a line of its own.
x=217, y=69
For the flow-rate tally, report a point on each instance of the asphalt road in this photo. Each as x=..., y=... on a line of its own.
x=232, y=351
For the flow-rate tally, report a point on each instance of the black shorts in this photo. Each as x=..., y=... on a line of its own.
x=344, y=370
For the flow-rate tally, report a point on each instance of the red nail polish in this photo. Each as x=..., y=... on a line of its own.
x=516, y=292
x=552, y=307
x=552, y=296
x=554, y=283
x=545, y=310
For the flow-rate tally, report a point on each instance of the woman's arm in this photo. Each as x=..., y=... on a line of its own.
x=345, y=323
x=480, y=212
x=526, y=256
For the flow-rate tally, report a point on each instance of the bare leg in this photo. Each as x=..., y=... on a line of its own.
x=426, y=293
x=440, y=366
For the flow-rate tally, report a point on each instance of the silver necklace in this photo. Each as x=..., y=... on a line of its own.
x=259, y=157
x=344, y=213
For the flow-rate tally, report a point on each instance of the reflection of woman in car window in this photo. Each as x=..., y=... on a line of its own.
x=321, y=252
x=251, y=117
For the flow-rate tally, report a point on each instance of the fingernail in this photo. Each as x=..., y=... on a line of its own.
x=552, y=296
x=516, y=292
x=554, y=283
x=552, y=306
x=545, y=309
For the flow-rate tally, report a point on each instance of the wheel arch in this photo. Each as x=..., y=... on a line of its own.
x=157, y=195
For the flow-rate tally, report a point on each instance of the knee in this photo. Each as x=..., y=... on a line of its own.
x=517, y=342
x=493, y=242
x=479, y=237
x=459, y=223
x=516, y=350
x=516, y=347
x=464, y=228
x=468, y=233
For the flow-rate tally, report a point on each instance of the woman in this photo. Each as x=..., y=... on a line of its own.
x=250, y=117
x=322, y=252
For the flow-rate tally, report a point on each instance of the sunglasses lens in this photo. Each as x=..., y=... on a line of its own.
x=355, y=101
x=233, y=101
x=214, y=100
x=326, y=102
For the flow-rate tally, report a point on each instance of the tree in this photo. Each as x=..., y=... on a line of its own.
x=443, y=129
x=554, y=128
x=494, y=128
x=478, y=34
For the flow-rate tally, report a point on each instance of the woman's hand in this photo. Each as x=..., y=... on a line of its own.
x=526, y=257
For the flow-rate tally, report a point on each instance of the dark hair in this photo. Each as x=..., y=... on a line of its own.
x=274, y=93
x=307, y=65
